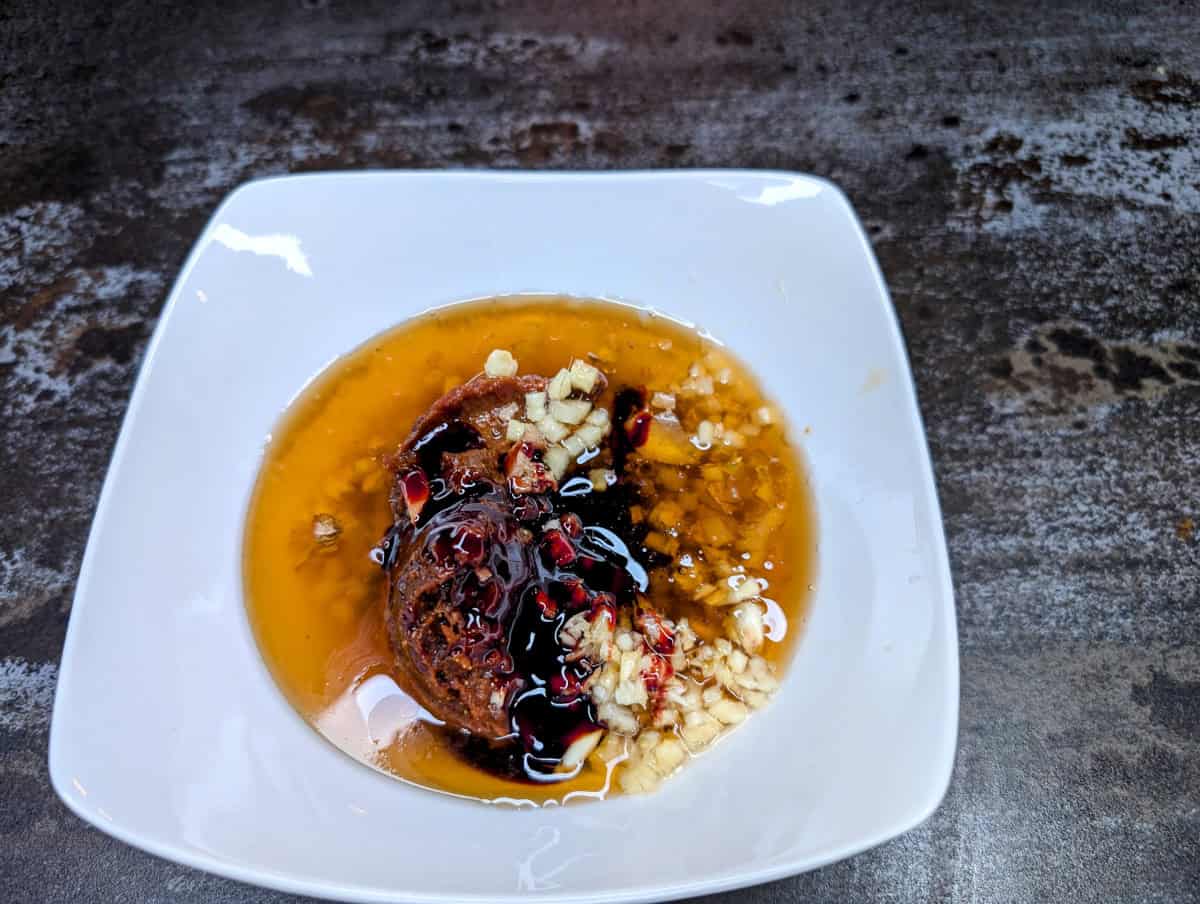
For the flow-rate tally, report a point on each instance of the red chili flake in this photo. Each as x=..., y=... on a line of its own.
x=637, y=428
x=414, y=487
x=525, y=473
x=579, y=594
x=468, y=545
x=559, y=548
x=656, y=675
x=565, y=686
x=547, y=606
x=443, y=549
x=514, y=456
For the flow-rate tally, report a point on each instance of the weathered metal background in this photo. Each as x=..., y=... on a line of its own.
x=1029, y=174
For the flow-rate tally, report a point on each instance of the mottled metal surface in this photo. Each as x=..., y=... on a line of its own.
x=1030, y=177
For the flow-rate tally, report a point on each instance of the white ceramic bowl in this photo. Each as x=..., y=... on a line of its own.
x=168, y=731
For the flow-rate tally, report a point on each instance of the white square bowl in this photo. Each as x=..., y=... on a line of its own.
x=168, y=731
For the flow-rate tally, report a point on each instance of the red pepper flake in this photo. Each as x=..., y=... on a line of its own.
x=580, y=596
x=559, y=548
x=468, y=546
x=442, y=548
x=656, y=674
x=565, y=686
x=414, y=487
x=545, y=605
x=637, y=428
x=525, y=472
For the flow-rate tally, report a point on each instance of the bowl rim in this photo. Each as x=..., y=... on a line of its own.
x=324, y=889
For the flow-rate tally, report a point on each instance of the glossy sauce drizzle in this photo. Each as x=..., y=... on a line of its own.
x=543, y=566
x=316, y=606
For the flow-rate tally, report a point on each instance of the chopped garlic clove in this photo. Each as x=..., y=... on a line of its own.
x=583, y=376
x=581, y=748
x=667, y=443
x=604, y=686
x=557, y=459
x=574, y=445
x=599, y=417
x=738, y=660
x=630, y=660
x=747, y=590
x=515, y=430
x=729, y=711
x=570, y=411
x=668, y=756
x=699, y=730
x=553, y=430
x=748, y=627
x=612, y=747
x=500, y=363
x=755, y=699
x=560, y=386
x=631, y=693
x=665, y=718
x=647, y=741
x=618, y=718
x=590, y=435
x=535, y=406
x=763, y=674
x=637, y=779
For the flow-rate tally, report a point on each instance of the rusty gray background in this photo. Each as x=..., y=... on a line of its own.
x=1029, y=175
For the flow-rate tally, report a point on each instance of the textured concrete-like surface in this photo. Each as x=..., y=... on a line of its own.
x=1030, y=178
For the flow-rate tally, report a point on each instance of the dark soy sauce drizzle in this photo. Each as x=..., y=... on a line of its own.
x=448, y=436
x=541, y=577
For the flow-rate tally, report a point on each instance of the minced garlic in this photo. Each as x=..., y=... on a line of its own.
x=500, y=363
